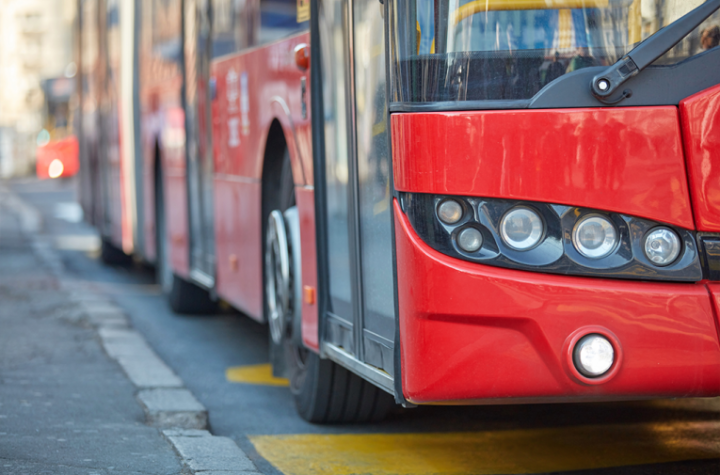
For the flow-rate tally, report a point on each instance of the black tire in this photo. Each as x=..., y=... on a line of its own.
x=324, y=392
x=189, y=299
x=111, y=255
x=327, y=393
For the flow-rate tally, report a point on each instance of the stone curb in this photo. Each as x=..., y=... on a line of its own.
x=169, y=408
x=99, y=313
x=204, y=453
x=140, y=363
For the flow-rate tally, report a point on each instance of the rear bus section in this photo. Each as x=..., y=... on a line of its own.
x=554, y=206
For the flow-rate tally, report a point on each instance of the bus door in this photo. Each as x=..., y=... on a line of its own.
x=198, y=87
x=105, y=120
x=359, y=325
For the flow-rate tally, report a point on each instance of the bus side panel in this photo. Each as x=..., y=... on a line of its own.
x=476, y=333
x=628, y=160
x=175, y=189
x=161, y=112
x=239, y=260
x=254, y=88
x=306, y=209
x=237, y=155
x=700, y=116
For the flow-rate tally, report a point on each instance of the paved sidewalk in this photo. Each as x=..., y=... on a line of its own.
x=65, y=407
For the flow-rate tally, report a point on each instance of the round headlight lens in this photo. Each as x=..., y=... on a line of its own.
x=662, y=246
x=521, y=229
x=470, y=239
x=595, y=237
x=450, y=211
x=593, y=355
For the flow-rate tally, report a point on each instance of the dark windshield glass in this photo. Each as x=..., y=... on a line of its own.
x=463, y=50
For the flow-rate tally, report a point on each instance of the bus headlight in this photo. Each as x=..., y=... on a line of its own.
x=593, y=355
x=450, y=211
x=662, y=246
x=595, y=237
x=521, y=228
x=56, y=168
x=470, y=239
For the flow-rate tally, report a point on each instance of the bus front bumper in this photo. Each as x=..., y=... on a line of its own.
x=474, y=334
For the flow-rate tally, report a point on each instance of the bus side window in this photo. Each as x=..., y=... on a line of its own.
x=166, y=34
x=278, y=19
x=235, y=26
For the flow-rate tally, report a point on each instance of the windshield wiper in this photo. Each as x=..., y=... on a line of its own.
x=605, y=84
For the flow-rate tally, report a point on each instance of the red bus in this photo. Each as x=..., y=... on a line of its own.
x=429, y=202
x=56, y=155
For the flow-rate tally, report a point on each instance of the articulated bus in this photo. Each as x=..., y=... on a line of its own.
x=427, y=201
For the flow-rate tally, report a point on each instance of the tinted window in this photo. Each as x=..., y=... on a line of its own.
x=242, y=24
x=458, y=50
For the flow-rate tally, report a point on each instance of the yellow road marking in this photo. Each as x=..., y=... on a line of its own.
x=255, y=374
x=491, y=452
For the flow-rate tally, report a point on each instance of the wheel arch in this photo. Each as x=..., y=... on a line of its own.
x=282, y=118
x=277, y=193
x=276, y=144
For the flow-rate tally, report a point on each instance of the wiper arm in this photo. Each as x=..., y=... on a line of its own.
x=605, y=84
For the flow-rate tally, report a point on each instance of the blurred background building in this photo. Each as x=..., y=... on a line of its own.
x=36, y=58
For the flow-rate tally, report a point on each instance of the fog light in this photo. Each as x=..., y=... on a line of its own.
x=595, y=237
x=450, y=211
x=470, y=239
x=521, y=229
x=662, y=246
x=593, y=355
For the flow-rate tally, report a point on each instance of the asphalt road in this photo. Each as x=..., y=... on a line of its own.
x=651, y=437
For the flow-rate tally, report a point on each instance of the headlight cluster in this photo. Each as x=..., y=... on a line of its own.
x=553, y=238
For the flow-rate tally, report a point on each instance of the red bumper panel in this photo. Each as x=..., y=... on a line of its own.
x=628, y=160
x=700, y=116
x=472, y=333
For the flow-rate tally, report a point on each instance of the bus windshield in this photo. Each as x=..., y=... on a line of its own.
x=500, y=50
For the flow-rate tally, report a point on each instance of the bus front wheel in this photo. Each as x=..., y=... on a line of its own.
x=327, y=393
x=324, y=392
